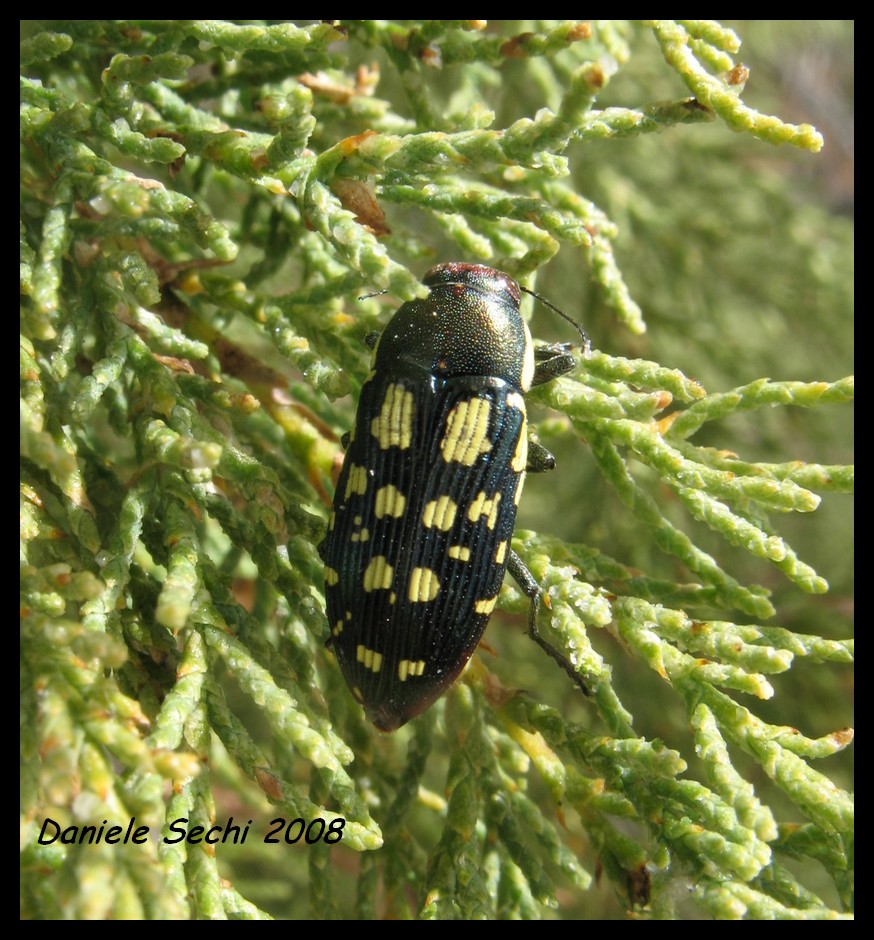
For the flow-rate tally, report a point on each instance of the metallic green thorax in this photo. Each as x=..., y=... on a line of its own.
x=419, y=538
x=468, y=325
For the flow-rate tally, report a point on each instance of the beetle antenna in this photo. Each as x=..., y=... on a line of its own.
x=587, y=343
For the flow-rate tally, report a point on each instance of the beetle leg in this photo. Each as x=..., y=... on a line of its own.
x=551, y=361
x=531, y=589
x=539, y=458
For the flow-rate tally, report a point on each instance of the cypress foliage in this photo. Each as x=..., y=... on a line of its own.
x=203, y=204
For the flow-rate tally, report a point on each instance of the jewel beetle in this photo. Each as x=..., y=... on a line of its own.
x=419, y=537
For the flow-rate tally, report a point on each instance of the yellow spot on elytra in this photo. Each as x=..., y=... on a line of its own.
x=331, y=520
x=519, y=484
x=331, y=576
x=390, y=501
x=369, y=658
x=461, y=552
x=394, y=426
x=356, y=481
x=486, y=605
x=439, y=514
x=520, y=455
x=424, y=585
x=362, y=536
x=410, y=667
x=467, y=428
x=515, y=400
x=392, y=597
x=483, y=506
x=378, y=574
x=338, y=628
x=501, y=553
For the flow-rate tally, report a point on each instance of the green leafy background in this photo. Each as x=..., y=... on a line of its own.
x=202, y=206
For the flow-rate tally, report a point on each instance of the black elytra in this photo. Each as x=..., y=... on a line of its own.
x=419, y=537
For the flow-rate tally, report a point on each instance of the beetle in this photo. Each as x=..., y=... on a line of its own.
x=418, y=541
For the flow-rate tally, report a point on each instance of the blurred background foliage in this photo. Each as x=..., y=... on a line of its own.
x=741, y=257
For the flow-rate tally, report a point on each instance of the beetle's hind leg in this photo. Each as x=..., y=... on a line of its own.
x=532, y=590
